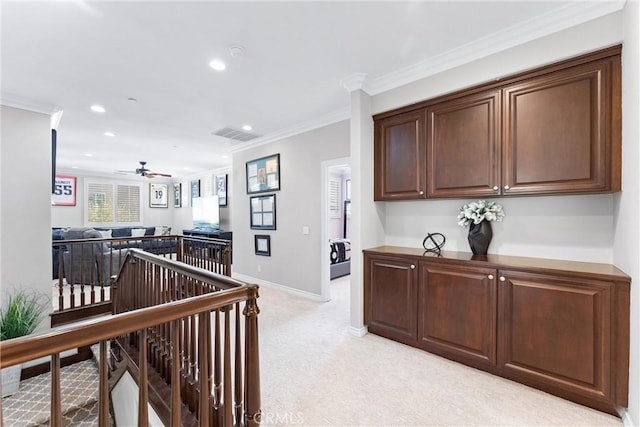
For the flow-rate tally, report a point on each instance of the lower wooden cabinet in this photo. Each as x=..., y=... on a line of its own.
x=457, y=315
x=392, y=298
x=562, y=327
x=557, y=331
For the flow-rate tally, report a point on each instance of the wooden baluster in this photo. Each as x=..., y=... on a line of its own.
x=226, y=388
x=238, y=383
x=217, y=369
x=103, y=392
x=143, y=391
x=203, y=364
x=176, y=403
x=71, y=279
x=252, y=361
x=56, y=399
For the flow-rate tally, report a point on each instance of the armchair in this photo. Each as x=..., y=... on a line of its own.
x=90, y=263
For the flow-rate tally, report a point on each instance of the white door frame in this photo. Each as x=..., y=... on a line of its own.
x=325, y=258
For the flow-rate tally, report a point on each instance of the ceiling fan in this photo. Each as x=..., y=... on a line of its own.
x=143, y=171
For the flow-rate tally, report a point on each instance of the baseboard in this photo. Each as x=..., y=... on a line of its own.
x=298, y=292
x=358, y=332
x=626, y=418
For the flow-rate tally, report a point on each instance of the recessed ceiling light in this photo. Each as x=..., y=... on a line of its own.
x=247, y=127
x=217, y=65
x=236, y=51
x=75, y=167
x=132, y=100
x=88, y=155
x=97, y=109
x=225, y=156
x=109, y=134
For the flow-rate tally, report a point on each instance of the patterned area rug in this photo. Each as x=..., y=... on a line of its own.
x=30, y=406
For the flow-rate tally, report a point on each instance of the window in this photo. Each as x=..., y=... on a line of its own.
x=113, y=203
x=335, y=209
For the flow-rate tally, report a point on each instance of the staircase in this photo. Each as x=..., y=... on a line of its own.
x=31, y=405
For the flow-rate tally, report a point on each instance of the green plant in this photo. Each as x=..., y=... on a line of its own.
x=23, y=313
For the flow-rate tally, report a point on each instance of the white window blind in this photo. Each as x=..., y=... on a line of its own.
x=113, y=203
x=100, y=202
x=128, y=203
x=334, y=198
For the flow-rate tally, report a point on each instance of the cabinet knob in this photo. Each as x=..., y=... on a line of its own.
x=495, y=188
x=413, y=267
x=506, y=187
x=502, y=279
x=490, y=277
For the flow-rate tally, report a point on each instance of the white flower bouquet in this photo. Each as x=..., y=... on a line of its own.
x=479, y=211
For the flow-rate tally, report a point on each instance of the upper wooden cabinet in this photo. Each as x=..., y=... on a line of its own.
x=559, y=131
x=553, y=130
x=400, y=157
x=463, y=146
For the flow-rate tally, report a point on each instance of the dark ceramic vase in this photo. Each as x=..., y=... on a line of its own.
x=479, y=237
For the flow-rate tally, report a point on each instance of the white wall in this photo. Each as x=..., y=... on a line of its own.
x=626, y=245
x=574, y=227
x=294, y=256
x=74, y=216
x=177, y=218
x=25, y=202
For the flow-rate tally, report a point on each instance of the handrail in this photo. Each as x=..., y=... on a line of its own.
x=170, y=335
x=20, y=350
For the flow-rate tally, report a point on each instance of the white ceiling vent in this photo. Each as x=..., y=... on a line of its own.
x=235, y=134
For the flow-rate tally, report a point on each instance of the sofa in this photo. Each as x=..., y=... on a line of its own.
x=157, y=246
x=90, y=263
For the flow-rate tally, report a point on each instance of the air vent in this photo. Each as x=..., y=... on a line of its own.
x=235, y=134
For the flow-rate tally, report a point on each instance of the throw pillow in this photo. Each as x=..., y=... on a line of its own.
x=137, y=232
x=106, y=234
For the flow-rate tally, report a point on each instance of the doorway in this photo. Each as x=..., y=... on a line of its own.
x=336, y=224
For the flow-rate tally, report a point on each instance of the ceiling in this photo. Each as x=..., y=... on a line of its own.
x=69, y=55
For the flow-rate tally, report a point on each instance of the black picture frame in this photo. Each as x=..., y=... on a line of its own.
x=158, y=195
x=262, y=243
x=177, y=195
x=262, y=212
x=221, y=189
x=263, y=174
x=195, y=189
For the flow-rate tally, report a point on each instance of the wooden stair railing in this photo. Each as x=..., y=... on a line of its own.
x=98, y=260
x=147, y=280
x=183, y=299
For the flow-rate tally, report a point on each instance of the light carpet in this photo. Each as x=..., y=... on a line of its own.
x=314, y=373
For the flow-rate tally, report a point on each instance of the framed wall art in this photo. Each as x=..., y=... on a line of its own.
x=263, y=174
x=221, y=189
x=263, y=212
x=195, y=189
x=177, y=195
x=262, y=244
x=158, y=197
x=64, y=191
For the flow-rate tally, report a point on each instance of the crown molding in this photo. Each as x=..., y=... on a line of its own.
x=570, y=15
x=329, y=119
x=27, y=104
x=357, y=81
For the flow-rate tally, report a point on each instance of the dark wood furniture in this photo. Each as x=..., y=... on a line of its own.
x=552, y=130
x=211, y=233
x=560, y=326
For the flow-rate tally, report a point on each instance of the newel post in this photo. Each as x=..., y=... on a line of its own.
x=252, y=412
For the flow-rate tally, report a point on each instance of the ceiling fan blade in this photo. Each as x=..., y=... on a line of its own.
x=154, y=175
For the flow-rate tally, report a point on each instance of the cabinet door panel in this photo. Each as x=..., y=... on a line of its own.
x=400, y=157
x=392, y=298
x=556, y=133
x=463, y=138
x=457, y=315
x=556, y=331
